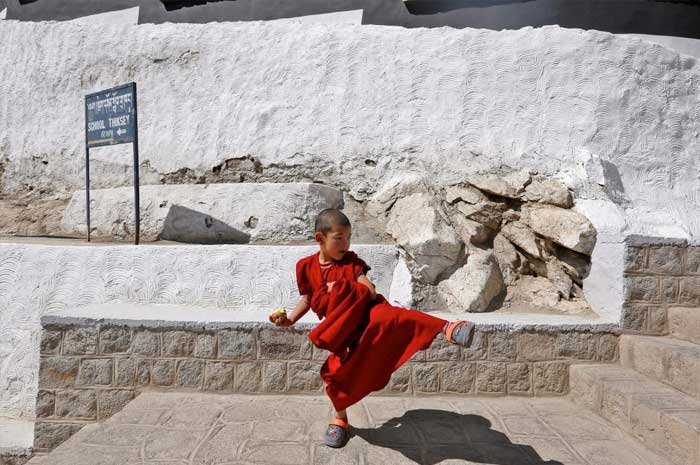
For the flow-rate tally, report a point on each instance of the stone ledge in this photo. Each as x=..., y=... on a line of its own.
x=637, y=240
x=136, y=315
x=205, y=213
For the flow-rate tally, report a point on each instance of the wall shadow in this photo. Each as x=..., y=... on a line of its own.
x=428, y=436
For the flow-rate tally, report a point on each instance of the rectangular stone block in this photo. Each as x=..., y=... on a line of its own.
x=692, y=260
x=426, y=377
x=665, y=260
x=657, y=321
x=577, y=345
x=634, y=317
x=642, y=288
x=143, y=372
x=684, y=323
x=219, y=376
x=635, y=258
x=443, y=351
x=551, y=378
x=95, y=371
x=276, y=344
x=248, y=377
x=608, y=348
x=190, y=373
x=145, y=342
x=321, y=355
x=400, y=381
x=111, y=401
x=237, y=344
x=690, y=291
x=478, y=349
x=305, y=376
x=274, y=376
x=502, y=346
x=533, y=347
x=80, y=341
x=45, y=404
x=205, y=346
x=491, y=378
x=669, y=289
x=178, y=343
x=457, y=377
x=115, y=340
x=125, y=373
x=49, y=435
x=51, y=342
x=77, y=403
x=58, y=372
x=163, y=372
x=519, y=378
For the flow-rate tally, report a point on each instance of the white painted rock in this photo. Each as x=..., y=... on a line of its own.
x=395, y=188
x=535, y=290
x=565, y=227
x=508, y=259
x=559, y=278
x=418, y=226
x=488, y=213
x=522, y=236
x=234, y=213
x=472, y=287
x=470, y=231
x=464, y=193
x=512, y=185
x=549, y=191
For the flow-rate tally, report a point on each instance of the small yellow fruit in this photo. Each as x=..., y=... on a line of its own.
x=279, y=313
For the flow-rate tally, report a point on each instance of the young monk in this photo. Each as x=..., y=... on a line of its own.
x=368, y=338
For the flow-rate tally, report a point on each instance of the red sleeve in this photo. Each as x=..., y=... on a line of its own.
x=302, y=279
x=359, y=267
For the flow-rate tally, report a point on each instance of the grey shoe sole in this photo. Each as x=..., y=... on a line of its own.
x=336, y=436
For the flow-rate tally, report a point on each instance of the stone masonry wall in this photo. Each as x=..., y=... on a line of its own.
x=88, y=373
x=659, y=274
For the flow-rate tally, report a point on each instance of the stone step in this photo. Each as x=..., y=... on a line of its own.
x=684, y=323
x=664, y=419
x=238, y=213
x=670, y=361
x=178, y=428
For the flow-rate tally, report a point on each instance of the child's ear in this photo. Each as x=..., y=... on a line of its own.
x=318, y=236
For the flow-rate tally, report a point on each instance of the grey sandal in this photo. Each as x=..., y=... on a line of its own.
x=337, y=433
x=460, y=332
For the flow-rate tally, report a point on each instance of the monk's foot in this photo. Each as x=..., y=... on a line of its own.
x=338, y=432
x=460, y=332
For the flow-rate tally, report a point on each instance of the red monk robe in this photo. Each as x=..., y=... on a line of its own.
x=368, y=340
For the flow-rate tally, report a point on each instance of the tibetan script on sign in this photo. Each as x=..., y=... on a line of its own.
x=111, y=116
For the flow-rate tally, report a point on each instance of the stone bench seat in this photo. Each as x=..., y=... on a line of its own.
x=238, y=213
x=97, y=358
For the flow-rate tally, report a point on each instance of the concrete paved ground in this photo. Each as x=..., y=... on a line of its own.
x=197, y=429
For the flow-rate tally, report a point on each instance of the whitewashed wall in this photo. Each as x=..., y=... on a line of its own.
x=604, y=113
x=248, y=281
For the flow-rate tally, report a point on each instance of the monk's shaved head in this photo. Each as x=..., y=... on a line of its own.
x=330, y=217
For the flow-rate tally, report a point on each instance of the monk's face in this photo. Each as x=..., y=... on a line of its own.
x=335, y=242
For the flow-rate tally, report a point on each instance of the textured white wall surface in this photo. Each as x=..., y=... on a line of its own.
x=37, y=279
x=615, y=118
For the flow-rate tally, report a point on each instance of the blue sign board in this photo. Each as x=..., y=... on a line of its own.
x=111, y=116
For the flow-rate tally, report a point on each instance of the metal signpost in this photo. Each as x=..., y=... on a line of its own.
x=110, y=118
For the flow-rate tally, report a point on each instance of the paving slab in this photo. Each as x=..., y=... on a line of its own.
x=211, y=429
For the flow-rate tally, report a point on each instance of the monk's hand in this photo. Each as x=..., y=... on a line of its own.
x=279, y=318
x=330, y=286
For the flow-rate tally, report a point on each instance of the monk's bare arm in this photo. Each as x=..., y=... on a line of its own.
x=299, y=311
x=363, y=279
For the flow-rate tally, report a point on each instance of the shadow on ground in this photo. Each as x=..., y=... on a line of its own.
x=429, y=436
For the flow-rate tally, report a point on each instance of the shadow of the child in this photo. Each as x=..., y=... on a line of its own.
x=428, y=437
